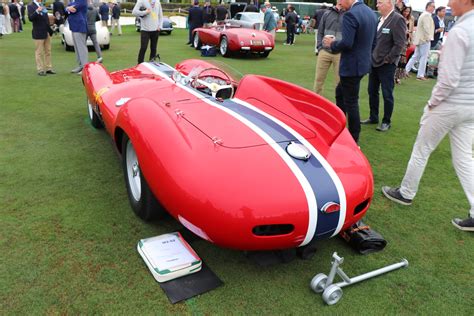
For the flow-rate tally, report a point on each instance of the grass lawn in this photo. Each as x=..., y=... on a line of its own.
x=68, y=235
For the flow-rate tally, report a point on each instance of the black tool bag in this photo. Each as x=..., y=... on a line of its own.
x=363, y=239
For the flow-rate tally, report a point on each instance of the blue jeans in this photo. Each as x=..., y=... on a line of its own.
x=347, y=99
x=381, y=76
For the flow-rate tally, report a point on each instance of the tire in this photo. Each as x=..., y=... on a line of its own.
x=197, y=41
x=66, y=46
x=318, y=283
x=142, y=200
x=265, y=54
x=93, y=117
x=106, y=46
x=332, y=294
x=224, y=47
x=168, y=32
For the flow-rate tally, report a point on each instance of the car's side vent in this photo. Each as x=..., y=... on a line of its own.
x=273, y=230
x=359, y=208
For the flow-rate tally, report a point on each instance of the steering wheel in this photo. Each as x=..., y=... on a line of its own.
x=214, y=86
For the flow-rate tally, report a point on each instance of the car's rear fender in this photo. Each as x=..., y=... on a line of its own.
x=325, y=118
x=97, y=81
x=96, y=78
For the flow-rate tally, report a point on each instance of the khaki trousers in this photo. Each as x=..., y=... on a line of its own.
x=43, y=54
x=116, y=22
x=325, y=59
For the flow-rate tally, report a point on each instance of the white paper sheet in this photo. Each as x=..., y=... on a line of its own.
x=167, y=252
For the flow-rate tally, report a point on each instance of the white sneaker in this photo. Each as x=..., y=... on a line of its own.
x=99, y=60
x=76, y=70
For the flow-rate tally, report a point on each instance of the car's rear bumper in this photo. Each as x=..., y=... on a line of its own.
x=256, y=48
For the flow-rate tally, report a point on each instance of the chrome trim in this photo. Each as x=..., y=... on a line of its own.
x=298, y=151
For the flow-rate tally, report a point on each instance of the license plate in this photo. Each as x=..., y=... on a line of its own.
x=257, y=42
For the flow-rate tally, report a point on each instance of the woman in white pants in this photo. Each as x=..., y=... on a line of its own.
x=450, y=110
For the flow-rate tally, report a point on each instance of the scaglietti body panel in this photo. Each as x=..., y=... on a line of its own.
x=223, y=168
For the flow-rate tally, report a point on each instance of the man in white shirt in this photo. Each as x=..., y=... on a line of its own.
x=423, y=37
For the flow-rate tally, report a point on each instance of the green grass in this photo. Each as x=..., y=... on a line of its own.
x=68, y=236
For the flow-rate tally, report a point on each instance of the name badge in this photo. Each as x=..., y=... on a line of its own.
x=385, y=31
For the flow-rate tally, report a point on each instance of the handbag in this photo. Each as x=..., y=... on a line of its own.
x=363, y=239
x=208, y=51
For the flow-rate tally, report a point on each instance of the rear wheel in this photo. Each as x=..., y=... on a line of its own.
x=142, y=200
x=93, y=117
x=106, y=46
x=224, y=47
x=196, y=41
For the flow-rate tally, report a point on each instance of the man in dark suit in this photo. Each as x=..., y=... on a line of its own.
x=104, y=13
x=438, y=20
x=290, y=19
x=208, y=14
x=59, y=12
x=359, y=25
x=38, y=15
x=194, y=19
x=14, y=15
x=391, y=39
x=251, y=7
x=221, y=12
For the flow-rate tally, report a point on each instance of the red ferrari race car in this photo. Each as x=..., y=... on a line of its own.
x=231, y=39
x=251, y=163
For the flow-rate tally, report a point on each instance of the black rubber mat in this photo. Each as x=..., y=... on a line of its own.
x=191, y=285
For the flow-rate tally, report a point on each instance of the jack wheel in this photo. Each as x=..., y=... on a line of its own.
x=332, y=294
x=318, y=283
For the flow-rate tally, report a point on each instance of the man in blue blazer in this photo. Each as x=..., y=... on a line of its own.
x=78, y=25
x=359, y=26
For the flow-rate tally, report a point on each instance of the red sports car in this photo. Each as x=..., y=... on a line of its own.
x=231, y=39
x=254, y=163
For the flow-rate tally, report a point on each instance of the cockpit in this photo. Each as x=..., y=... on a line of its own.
x=211, y=81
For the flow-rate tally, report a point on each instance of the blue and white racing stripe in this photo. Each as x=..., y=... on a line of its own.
x=318, y=180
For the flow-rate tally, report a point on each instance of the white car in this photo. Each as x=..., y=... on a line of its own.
x=103, y=36
x=249, y=20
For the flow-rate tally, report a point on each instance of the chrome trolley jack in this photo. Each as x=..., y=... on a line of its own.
x=332, y=292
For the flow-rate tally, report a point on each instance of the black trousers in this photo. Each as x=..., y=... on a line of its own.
x=347, y=99
x=381, y=76
x=290, y=33
x=146, y=37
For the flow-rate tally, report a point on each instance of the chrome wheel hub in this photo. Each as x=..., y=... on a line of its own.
x=133, y=172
